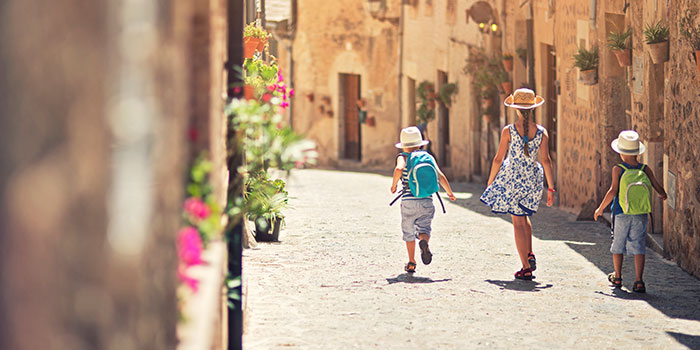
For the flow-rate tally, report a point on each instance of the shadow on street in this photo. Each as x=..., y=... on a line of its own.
x=409, y=278
x=520, y=286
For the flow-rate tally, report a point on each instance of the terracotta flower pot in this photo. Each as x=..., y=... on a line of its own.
x=659, y=52
x=248, y=92
x=590, y=76
x=261, y=45
x=507, y=87
x=250, y=45
x=624, y=57
x=371, y=121
x=697, y=59
x=508, y=65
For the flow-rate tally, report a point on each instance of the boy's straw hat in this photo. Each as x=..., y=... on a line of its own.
x=523, y=99
x=411, y=137
x=628, y=143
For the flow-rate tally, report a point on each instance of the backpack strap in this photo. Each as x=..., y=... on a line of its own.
x=441, y=204
x=397, y=198
x=622, y=166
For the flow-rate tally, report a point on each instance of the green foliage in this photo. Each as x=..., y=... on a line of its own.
x=618, y=41
x=260, y=74
x=233, y=295
x=689, y=30
x=522, y=53
x=507, y=56
x=445, y=93
x=252, y=30
x=426, y=94
x=655, y=33
x=486, y=72
x=200, y=188
x=265, y=198
x=586, y=59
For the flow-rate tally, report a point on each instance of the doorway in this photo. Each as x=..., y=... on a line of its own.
x=443, y=125
x=551, y=96
x=350, y=131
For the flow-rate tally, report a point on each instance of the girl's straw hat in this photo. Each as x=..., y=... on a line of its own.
x=628, y=143
x=411, y=137
x=523, y=99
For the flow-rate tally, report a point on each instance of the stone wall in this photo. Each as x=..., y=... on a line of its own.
x=95, y=100
x=346, y=39
x=682, y=150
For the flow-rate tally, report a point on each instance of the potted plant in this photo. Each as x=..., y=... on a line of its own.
x=266, y=199
x=508, y=62
x=504, y=81
x=259, y=75
x=445, y=93
x=587, y=63
x=254, y=38
x=656, y=36
x=425, y=91
x=522, y=54
x=691, y=33
x=617, y=42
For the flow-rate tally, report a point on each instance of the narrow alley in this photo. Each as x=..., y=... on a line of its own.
x=335, y=280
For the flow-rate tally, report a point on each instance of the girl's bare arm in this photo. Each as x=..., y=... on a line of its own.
x=500, y=155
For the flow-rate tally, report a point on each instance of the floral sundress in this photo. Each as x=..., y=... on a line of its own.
x=517, y=188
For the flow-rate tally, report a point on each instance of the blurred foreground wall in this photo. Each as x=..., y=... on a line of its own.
x=93, y=107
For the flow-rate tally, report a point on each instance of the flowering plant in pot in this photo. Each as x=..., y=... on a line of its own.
x=258, y=75
x=508, y=62
x=254, y=38
x=618, y=43
x=587, y=63
x=691, y=33
x=425, y=91
x=656, y=37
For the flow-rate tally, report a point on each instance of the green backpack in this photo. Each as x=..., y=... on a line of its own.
x=634, y=195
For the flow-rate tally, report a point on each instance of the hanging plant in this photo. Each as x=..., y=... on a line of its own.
x=426, y=94
x=618, y=43
x=508, y=62
x=656, y=37
x=522, y=54
x=445, y=93
x=587, y=63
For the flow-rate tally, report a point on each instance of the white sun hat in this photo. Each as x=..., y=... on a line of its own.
x=628, y=143
x=411, y=137
x=523, y=99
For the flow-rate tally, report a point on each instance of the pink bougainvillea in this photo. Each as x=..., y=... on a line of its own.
x=191, y=282
x=189, y=246
x=196, y=208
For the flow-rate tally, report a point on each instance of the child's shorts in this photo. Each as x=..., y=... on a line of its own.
x=416, y=216
x=629, y=234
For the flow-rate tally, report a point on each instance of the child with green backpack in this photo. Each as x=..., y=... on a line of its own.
x=630, y=194
x=420, y=177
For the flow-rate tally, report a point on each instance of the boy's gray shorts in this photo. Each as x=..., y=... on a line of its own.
x=416, y=216
x=629, y=234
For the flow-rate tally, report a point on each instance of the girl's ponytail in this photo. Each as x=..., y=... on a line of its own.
x=526, y=128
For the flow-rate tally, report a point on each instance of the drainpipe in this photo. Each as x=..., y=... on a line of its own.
x=592, y=18
x=400, y=96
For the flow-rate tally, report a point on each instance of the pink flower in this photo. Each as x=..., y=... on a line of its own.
x=284, y=104
x=266, y=97
x=193, y=134
x=291, y=93
x=196, y=208
x=271, y=88
x=280, y=78
x=189, y=246
x=193, y=283
x=237, y=90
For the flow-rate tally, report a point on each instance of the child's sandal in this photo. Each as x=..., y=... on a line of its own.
x=639, y=287
x=532, y=261
x=616, y=281
x=524, y=274
x=410, y=267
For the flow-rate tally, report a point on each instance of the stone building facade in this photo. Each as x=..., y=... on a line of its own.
x=97, y=99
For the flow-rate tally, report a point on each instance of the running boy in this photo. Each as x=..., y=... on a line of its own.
x=416, y=213
x=631, y=203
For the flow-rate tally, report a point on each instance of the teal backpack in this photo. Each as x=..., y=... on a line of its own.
x=634, y=195
x=422, y=174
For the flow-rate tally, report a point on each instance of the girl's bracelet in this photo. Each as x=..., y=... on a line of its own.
x=551, y=190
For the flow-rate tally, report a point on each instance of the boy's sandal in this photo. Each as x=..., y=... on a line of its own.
x=425, y=253
x=524, y=274
x=410, y=267
x=532, y=261
x=616, y=281
x=639, y=287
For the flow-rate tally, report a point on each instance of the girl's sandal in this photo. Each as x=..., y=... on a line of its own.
x=639, y=287
x=532, y=261
x=616, y=281
x=524, y=274
x=410, y=267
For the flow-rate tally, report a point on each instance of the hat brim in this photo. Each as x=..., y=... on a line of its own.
x=616, y=147
x=422, y=143
x=539, y=100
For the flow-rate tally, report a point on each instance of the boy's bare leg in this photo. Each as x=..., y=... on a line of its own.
x=617, y=263
x=523, y=239
x=638, y=266
x=411, y=248
x=423, y=236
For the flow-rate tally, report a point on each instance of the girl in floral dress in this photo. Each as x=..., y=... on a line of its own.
x=516, y=182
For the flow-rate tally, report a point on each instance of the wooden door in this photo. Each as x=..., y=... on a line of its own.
x=350, y=90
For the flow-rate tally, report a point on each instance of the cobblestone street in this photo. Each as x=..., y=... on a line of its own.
x=336, y=279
